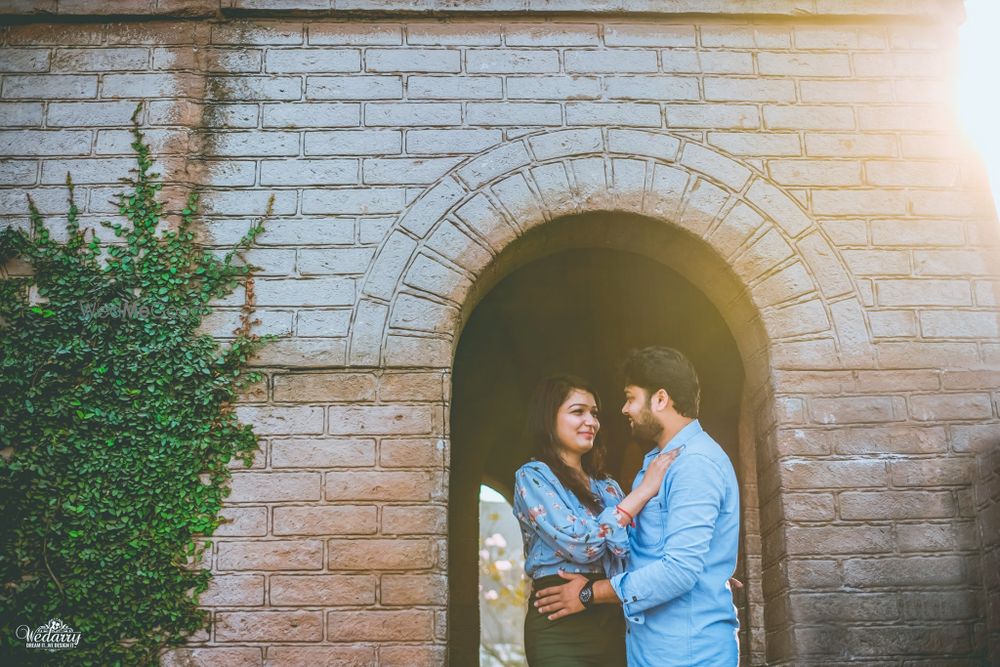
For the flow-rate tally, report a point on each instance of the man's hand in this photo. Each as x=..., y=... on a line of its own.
x=559, y=601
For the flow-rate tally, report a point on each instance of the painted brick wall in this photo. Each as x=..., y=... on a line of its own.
x=878, y=287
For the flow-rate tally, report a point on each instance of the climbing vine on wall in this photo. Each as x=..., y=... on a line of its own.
x=116, y=427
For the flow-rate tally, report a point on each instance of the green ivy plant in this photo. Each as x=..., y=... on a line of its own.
x=116, y=427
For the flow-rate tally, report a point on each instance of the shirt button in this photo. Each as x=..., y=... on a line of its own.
x=634, y=598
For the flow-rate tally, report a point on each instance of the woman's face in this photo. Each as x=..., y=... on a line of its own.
x=576, y=423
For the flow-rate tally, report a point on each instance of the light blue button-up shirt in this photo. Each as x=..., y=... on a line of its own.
x=560, y=533
x=675, y=591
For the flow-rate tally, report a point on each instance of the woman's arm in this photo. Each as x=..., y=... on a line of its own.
x=581, y=537
x=577, y=536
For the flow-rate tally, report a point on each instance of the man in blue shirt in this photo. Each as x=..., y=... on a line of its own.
x=675, y=592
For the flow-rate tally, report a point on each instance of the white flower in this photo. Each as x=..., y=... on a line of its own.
x=491, y=595
x=484, y=554
x=502, y=565
x=495, y=540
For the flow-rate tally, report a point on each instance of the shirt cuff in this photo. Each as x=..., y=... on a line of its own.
x=621, y=585
x=617, y=536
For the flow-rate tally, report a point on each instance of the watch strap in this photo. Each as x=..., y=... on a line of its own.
x=587, y=594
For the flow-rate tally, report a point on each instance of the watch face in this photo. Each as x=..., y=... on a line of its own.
x=585, y=594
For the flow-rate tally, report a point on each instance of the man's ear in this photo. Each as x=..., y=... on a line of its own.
x=660, y=400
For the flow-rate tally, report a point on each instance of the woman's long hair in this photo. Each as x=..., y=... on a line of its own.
x=540, y=431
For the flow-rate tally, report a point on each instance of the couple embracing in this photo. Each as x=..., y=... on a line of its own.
x=641, y=579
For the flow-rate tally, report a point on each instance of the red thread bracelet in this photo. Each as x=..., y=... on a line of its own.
x=623, y=511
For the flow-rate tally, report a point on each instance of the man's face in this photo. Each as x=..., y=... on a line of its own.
x=641, y=421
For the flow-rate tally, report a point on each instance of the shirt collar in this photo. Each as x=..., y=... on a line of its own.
x=679, y=440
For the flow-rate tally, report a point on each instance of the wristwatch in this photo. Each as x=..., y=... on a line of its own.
x=587, y=594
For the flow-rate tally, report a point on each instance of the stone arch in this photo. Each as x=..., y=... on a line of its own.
x=435, y=260
x=749, y=246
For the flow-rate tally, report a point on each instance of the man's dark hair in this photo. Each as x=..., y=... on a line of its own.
x=658, y=367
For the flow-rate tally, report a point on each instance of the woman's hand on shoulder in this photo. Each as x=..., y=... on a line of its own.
x=657, y=470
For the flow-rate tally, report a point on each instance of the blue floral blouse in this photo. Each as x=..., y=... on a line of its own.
x=560, y=532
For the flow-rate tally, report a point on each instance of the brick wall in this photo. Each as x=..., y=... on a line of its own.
x=409, y=157
x=987, y=490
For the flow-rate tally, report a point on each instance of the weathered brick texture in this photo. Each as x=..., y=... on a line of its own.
x=814, y=163
x=987, y=503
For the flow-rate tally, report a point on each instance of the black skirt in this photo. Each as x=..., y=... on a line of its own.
x=595, y=636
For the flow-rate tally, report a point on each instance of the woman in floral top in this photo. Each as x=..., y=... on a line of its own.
x=573, y=518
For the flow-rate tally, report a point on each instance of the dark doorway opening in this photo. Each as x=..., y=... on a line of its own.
x=578, y=311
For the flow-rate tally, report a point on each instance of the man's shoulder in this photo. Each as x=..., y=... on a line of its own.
x=703, y=446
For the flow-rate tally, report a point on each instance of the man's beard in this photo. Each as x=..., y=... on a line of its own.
x=646, y=428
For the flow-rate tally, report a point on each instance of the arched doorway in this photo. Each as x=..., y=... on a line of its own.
x=574, y=296
x=743, y=242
